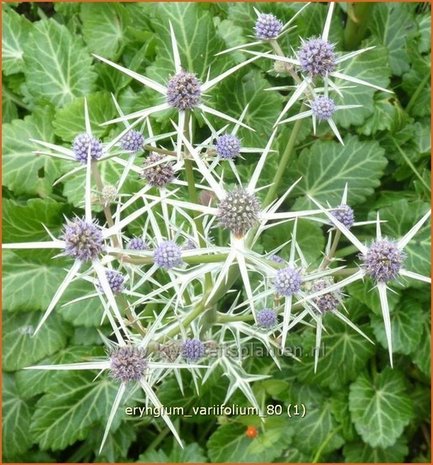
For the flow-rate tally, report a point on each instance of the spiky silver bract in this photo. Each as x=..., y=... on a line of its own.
x=83, y=240
x=238, y=211
x=383, y=260
x=127, y=363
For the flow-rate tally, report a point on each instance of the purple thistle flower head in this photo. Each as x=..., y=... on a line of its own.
x=184, y=91
x=277, y=259
x=80, y=147
x=127, y=364
x=326, y=302
x=383, y=260
x=137, y=243
x=228, y=146
x=167, y=255
x=132, y=141
x=83, y=240
x=267, y=27
x=238, y=212
x=287, y=281
x=158, y=173
x=115, y=281
x=344, y=214
x=323, y=107
x=267, y=318
x=317, y=57
x=193, y=350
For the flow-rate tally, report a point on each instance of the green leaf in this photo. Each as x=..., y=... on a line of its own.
x=343, y=347
x=326, y=167
x=73, y=404
x=31, y=383
x=23, y=171
x=366, y=293
x=248, y=88
x=191, y=453
x=69, y=120
x=391, y=23
x=16, y=420
x=358, y=452
x=15, y=31
x=380, y=408
x=318, y=429
x=422, y=355
x=399, y=219
x=196, y=37
x=23, y=281
x=23, y=221
x=229, y=442
x=22, y=348
x=117, y=444
x=407, y=322
x=57, y=66
x=371, y=66
x=104, y=27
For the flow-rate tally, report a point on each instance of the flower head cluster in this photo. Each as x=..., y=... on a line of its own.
x=287, y=281
x=168, y=255
x=323, y=107
x=383, y=260
x=183, y=91
x=132, y=141
x=227, y=146
x=267, y=27
x=238, y=211
x=127, y=363
x=344, y=214
x=317, y=57
x=157, y=171
x=115, y=280
x=81, y=145
x=137, y=243
x=83, y=240
x=193, y=350
x=326, y=302
x=108, y=195
x=267, y=318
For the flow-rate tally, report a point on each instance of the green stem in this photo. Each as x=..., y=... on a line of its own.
x=411, y=165
x=417, y=92
x=357, y=22
x=330, y=256
x=11, y=96
x=324, y=444
x=150, y=148
x=283, y=162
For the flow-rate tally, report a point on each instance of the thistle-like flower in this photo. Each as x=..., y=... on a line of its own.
x=383, y=260
x=157, y=171
x=344, y=215
x=193, y=350
x=83, y=240
x=227, y=146
x=267, y=26
x=288, y=281
x=317, y=57
x=115, y=280
x=267, y=318
x=184, y=91
x=132, y=141
x=137, y=243
x=83, y=143
x=127, y=363
x=168, y=255
x=326, y=302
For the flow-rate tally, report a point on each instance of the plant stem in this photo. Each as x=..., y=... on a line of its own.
x=329, y=257
x=411, y=165
x=356, y=26
x=324, y=444
x=417, y=92
x=150, y=148
x=273, y=189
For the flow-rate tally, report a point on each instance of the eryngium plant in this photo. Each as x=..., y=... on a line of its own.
x=200, y=211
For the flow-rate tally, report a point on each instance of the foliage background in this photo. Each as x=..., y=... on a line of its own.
x=358, y=409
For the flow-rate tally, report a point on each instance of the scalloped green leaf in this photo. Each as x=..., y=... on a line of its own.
x=358, y=452
x=57, y=66
x=71, y=407
x=23, y=280
x=191, y=453
x=326, y=167
x=380, y=407
x=16, y=420
x=23, y=171
x=22, y=348
x=104, y=27
x=15, y=31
